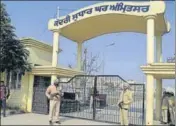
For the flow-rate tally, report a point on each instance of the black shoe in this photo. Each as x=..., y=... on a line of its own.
x=50, y=122
x=58, y=122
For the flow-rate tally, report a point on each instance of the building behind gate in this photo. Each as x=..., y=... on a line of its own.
x=41, y=59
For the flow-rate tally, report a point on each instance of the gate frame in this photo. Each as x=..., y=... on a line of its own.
x=94, y=103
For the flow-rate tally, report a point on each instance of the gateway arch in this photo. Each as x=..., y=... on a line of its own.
x=109, y=17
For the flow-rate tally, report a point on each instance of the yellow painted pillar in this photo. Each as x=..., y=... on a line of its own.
x=2, y=76
x=158, y=49
x=30, y=93
x=150, y=78
x=23, y=94
x=53, y=77
x=55, y=52
x=158, y=98
x=79, y=55
x=158, y=81
x=149, y=99
x=150, y=39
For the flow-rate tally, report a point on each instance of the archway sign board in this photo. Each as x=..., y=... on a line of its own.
x=109, y=17
x=113, y=17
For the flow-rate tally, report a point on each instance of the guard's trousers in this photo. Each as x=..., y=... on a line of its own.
x=165, y=115
x=124, y=117
x=172, y=116
x=54, y=110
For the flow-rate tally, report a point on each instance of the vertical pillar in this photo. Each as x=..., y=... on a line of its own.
x=55, y=52
x=158, y=49
x=158, y=98
x=158, y=81
x=150, y=78
x=17, y=80
x=150, y=39
x=53, y=77
x=149, y=99
x=79, y=55
x=2, y=76
x=30, y=93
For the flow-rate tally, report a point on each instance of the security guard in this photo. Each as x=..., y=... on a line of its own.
x=126, y=99
x=165, y=107
x=172, y=108
x=54, y=95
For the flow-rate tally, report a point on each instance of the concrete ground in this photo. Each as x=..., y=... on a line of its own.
x=40, y=119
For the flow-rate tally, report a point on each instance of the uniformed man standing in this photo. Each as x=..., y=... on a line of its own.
x=126, y=99
x=53, y=93
x=164, y=108
x=172, y=108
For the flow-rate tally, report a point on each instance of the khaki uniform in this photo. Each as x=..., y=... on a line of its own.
x=54, y=108
x=171, y=101
x=127, y=98
x=165, y=107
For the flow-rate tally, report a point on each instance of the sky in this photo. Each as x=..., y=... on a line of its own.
x=30, y=19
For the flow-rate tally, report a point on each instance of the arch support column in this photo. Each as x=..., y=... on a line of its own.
x=159, y=49
x=79, y=55
x=158, y=81
x=158, y=98
x=55, y=53
x=149, y=78
x=149, y=99
x=150, y=38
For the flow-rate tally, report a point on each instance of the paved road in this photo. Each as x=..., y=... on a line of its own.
x=38, y=119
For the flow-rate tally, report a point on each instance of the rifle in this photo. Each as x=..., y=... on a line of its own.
x=120, y=105
x=55, y=95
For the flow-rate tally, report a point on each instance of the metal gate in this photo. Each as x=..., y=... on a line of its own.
x=40, y=102
x=96, y=97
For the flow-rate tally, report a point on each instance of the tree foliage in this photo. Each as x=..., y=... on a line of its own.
x=13, y=55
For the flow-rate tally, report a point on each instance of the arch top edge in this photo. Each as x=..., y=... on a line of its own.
x=54, y=26
x=120, y=7
x=124, y=6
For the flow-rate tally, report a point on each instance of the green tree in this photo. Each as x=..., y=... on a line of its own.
x=13, y=55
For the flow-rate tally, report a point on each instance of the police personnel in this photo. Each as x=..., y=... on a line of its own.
x=126, y=99
x=164, y=108
x=53, y=93
x=171, y=101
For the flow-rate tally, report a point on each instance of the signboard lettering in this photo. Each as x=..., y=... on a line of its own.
x=117, y=7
